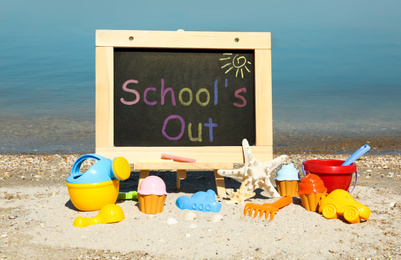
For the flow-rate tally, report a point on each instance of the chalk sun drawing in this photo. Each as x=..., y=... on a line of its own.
x=236, y=63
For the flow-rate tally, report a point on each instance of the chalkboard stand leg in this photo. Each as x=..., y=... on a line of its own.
x=220, y=185
x=181, y=174
x=142, y=175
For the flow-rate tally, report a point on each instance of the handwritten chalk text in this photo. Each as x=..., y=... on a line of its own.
x=167, y=96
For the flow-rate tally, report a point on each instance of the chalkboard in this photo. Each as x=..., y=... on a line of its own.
x=188, y=94
x=178, y=97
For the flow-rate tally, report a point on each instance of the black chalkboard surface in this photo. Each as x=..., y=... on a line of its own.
x=183, y=97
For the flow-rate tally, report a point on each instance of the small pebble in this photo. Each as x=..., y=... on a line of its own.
x=217, y=218
x=193, y=226
x=190, y=216
x=172, y=221
x=187, y=235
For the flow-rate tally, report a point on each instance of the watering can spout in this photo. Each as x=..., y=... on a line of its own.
x=120, y=169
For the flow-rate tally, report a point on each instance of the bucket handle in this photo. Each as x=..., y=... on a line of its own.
x=356, y=177
x=80, y=160
x=356, y=180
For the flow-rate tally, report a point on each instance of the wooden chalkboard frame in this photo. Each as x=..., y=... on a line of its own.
x=207, y=157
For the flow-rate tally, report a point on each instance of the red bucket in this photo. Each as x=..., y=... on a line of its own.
x=333, y=175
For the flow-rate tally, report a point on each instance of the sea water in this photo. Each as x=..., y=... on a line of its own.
x=335, y=66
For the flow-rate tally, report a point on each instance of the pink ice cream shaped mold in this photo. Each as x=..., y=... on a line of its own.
x=287, y=172
x=152, y=185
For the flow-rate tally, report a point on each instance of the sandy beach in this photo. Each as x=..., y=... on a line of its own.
x=307, y=78
x=37, y=218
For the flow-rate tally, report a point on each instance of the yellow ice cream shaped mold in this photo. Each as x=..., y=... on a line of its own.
x=287, y=179
x=99, y=185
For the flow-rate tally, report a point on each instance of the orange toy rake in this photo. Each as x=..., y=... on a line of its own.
x=267, y=208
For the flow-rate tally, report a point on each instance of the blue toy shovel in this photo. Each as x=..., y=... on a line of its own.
x=361, y=151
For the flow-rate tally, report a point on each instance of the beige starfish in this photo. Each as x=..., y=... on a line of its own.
x=239, y=196
x=252, y=175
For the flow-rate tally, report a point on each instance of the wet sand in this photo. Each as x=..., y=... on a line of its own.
x=302, y=142
x=68, y=136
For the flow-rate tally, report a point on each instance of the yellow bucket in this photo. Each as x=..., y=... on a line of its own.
x=93, y=196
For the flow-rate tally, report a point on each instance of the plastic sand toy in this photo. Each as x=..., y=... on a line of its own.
x=361, y=151
x=311, y=190
x=110, y=213
x=341, y=203
x=287, y=180
x=99, y=185
x=103, y=170
x=267, y=208
x=152, y=195
x=200, y=201
x=287, y=172
x=333, y=174
x=131, y=195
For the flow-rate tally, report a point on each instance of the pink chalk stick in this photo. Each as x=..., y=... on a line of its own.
x=178, y=158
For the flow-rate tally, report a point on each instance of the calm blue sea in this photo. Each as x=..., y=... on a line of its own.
x=336, y=64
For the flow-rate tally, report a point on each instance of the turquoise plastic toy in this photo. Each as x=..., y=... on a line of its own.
x=200, y=201
x=361, y=151
x=103, y=170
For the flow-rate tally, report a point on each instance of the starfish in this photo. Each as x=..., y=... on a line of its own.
x=252, y=175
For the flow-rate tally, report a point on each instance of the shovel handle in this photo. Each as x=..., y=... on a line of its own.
x=281, y=203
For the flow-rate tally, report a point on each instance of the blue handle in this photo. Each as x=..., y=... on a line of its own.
x=80, y=160
x=356, y=155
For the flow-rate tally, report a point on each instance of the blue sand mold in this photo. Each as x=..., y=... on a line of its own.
x=200, y=201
